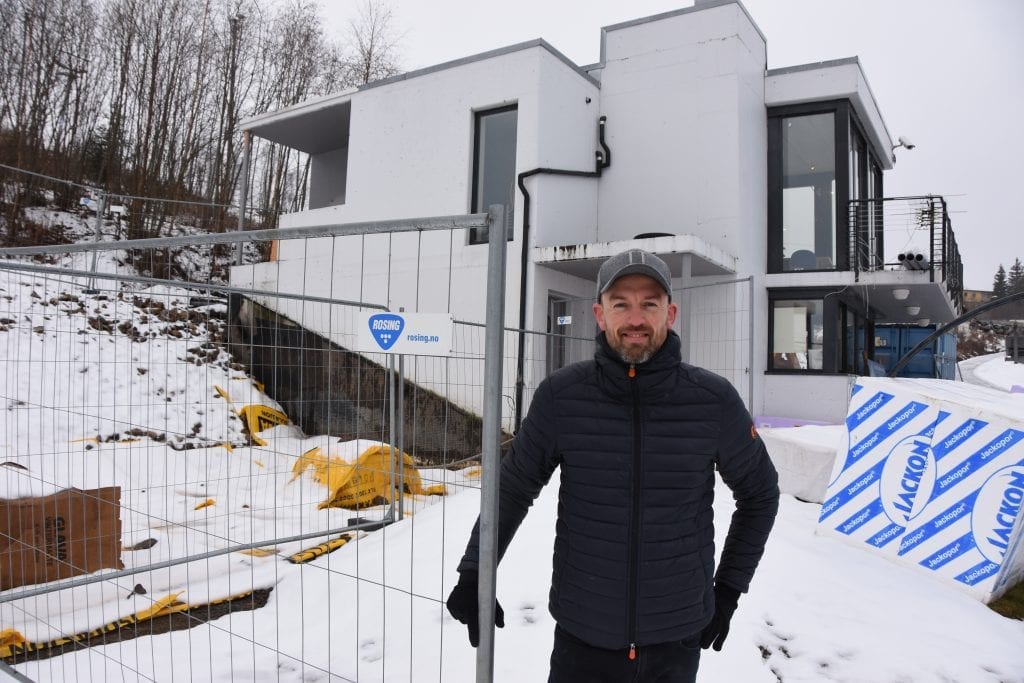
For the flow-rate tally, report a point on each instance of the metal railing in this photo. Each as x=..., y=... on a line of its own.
x=914, y=233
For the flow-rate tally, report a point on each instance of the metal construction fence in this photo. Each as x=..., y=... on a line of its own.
x=203, y=477
x=196, y=486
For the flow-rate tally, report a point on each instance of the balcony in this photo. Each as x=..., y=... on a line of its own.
x=908, y=243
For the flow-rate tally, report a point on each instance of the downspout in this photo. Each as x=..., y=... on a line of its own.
x=603, y=159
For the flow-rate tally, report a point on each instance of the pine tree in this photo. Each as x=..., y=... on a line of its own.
x=1015, y=278
x=999, y=286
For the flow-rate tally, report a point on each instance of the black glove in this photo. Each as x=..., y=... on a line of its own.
x=462, y=604
x=726, y=598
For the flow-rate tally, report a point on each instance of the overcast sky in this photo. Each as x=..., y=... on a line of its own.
x=946, y=73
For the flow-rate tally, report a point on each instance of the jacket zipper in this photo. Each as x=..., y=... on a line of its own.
x=634, y=530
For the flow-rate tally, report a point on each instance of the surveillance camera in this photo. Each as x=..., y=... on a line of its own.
x=905, y=142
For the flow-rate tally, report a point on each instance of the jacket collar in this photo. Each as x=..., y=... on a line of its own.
x=649, y=375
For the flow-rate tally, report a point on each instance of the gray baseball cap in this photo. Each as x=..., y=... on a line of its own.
x=634, y=261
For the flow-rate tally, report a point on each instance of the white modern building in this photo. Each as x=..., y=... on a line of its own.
x=762, y=189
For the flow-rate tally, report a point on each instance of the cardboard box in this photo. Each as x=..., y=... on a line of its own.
x=932, y=476
x=65, y=534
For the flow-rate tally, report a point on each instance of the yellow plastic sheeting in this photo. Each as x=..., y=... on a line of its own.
x=364, y=482
x=11, y=637
x=258, y=418
x=13, y=644
x=316, y=551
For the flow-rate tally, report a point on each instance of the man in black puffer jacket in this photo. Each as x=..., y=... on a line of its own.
x=638, y=435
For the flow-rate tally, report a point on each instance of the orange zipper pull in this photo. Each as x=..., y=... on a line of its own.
x=632, y=646
x=632, y=374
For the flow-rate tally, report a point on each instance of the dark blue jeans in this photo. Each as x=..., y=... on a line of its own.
x=573, y=661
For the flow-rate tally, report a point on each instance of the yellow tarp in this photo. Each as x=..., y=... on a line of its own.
x=256, y=417
x=364, y=482
x=11, y=637
x=13, y=643
x=316, y=551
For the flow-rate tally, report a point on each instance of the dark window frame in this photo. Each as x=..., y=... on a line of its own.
x=479, y=235
x=843, y=113
x=836, y=354
x=840, y=110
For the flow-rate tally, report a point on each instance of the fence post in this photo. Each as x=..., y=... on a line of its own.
x=14, y=675
x=101, y=207
x=391, y=437
x=401, y=434
x=491, y=439
x=243, y=192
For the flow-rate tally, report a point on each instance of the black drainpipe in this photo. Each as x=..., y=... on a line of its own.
x=602, y=161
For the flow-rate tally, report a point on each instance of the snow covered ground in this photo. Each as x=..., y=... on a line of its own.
x=993, y=371
x=372, y=610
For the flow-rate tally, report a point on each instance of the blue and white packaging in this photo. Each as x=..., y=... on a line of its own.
x=932, y=476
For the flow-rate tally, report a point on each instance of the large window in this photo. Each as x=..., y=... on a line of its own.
x=494, y=165
x=819, y=160
x=866, y=188
x=808, y=192
x=798, y=334
x=818, y=329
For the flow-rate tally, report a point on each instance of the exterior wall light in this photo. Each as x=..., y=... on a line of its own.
x=913, y=310
x=900, y=294
x=923, y=322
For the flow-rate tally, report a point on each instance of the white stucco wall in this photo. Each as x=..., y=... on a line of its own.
x=410, y=155
x=564, y=209
x=681, y=88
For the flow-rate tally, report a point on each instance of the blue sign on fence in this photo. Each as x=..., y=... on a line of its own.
x=386, y=329
x=414, y=334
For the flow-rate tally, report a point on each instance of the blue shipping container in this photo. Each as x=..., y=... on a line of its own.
x=938, y=359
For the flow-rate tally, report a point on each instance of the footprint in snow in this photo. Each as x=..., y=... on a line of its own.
x=370, y=651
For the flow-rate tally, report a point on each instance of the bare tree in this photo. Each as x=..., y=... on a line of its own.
x=372, y=51
x=143, y=97
x=303, y=64
x=45, y=96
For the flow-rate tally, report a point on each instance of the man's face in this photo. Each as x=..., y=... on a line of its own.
x=635, y=315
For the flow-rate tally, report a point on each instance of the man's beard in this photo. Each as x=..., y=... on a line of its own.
x=636, y=356
x=632, y=353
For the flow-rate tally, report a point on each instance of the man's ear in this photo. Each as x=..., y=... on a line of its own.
x=599, y=316
x=673, y=310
